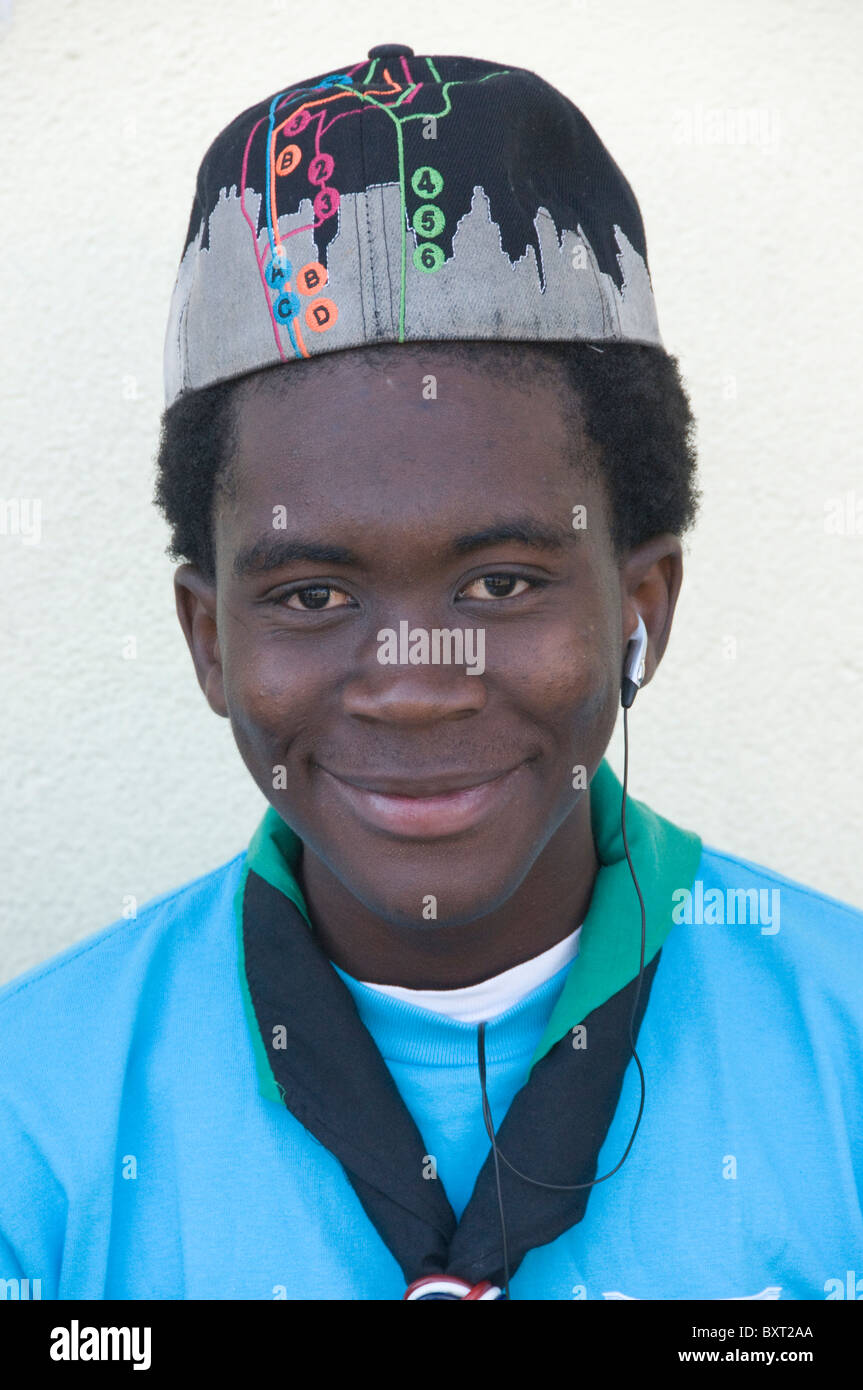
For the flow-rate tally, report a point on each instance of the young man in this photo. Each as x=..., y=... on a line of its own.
x=428, y=466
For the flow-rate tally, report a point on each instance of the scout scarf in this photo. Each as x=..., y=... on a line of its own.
x=328, y=1072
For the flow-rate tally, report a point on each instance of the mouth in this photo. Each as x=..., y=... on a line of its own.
x=428, y=808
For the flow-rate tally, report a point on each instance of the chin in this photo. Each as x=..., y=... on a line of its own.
x=433, y=899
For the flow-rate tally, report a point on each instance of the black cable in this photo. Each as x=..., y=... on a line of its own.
x=486, y=1109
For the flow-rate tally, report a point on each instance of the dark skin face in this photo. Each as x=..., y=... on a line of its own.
x=410, y=782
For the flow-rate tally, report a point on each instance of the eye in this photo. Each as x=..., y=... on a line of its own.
x=314, y=598
x=498, y=586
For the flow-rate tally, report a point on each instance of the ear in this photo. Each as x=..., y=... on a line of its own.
x=196, y=608
x=650, y=578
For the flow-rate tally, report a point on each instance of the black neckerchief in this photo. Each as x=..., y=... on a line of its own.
x=314, y=1054
x=332, y=1077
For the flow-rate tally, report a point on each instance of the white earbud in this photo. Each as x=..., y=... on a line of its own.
x=633, y=664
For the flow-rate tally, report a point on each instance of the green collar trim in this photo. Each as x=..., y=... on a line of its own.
x=266, y=1081
x=666, y=859
x=274, y=853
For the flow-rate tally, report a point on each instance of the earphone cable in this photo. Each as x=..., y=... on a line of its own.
x=486, y=1109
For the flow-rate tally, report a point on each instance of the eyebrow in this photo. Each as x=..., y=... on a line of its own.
x=271, y=553
x=539, y=535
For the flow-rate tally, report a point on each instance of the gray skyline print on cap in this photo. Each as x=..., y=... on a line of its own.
x=221, y=325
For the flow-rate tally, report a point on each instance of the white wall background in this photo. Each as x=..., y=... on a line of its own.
x=116, y=778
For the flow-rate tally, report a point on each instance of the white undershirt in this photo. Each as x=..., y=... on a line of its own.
x=490, y=998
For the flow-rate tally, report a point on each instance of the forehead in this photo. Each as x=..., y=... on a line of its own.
x=411, y=434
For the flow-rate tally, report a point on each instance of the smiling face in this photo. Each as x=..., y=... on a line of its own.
x=359, y=507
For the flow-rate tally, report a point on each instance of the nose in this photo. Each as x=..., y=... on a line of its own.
x=407, y=694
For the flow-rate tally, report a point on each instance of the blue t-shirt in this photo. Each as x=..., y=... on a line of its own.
x=139, y=1159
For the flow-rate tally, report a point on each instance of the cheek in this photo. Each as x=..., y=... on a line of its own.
x=577, y=701
x=574, y=694
x=562, y=671
x=271, y=695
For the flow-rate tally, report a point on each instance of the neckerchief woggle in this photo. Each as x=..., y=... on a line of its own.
x=314, y=1055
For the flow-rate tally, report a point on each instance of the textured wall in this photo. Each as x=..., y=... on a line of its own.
x=738, y=126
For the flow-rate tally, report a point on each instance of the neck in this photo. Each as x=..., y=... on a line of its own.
x=551, y=901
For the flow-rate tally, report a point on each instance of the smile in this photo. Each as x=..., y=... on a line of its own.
x=428, y=809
